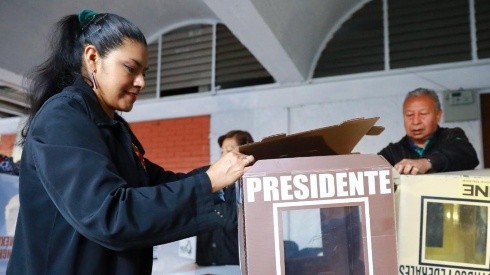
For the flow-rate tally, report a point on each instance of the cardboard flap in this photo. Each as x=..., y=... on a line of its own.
x=331, y=140
x=375, y=130
x=274, y=137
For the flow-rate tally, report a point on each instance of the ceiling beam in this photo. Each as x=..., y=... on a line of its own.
x=246, y=23
x=11, y=110
x=12, y=80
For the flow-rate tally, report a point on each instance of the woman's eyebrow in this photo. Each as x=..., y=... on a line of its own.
x=139, y=64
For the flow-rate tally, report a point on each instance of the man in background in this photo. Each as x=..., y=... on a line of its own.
x=427, y=147
x=220, y=247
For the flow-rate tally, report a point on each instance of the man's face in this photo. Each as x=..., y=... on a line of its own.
x=420, y=117
x=228, y=145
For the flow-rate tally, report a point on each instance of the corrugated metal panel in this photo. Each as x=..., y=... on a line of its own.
x=12, y=102
x=357, y=46
x=151, y=74
x=186, y=62
x=423, y=32
x=186, y=58
x=235, y=65
x=482, y=12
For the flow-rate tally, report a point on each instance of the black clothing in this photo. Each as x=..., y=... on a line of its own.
x=87, y=205
x=220, y=246
x=448, y=150
x=8, y=166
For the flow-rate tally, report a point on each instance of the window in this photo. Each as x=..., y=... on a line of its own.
x=482, y=14
x=186, y=63
x=424, y=32
x=357, y=46
x=420, y=32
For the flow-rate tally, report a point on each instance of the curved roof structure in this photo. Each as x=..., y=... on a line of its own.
x=285, y=36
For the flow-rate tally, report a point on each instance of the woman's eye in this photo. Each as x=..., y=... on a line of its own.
x=129, y=68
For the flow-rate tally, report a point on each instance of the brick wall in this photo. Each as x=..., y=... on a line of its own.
x=7, y=142
x=179, y=145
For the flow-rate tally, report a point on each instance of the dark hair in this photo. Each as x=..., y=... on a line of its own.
x=105, y=31
x=424, y=91
x=241, y=137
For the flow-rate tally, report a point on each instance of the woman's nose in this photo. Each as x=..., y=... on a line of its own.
x=139, y=81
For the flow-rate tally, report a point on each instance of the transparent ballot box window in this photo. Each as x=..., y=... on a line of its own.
x=454, y=233
x=324, y=240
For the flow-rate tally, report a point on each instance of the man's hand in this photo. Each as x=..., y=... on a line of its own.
x=413, y=166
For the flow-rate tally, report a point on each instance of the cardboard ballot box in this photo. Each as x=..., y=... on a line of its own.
x=328, y=215
x=443, y=223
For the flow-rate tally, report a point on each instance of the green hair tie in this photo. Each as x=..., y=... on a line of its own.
x=85, y=17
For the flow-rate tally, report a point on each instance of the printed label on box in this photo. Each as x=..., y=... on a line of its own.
x=318, y=215
x=443, y=224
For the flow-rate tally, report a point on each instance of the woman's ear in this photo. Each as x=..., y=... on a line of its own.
x=90, y=56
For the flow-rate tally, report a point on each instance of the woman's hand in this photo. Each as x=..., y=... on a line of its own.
x=228, y=169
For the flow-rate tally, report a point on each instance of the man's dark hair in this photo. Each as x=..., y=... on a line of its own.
x=241, y=137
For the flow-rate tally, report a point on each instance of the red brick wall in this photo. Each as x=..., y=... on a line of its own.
x=179, y=145
x=7, y=142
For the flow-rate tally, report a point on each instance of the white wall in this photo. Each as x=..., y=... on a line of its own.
x=305, y=107
x=274, y=109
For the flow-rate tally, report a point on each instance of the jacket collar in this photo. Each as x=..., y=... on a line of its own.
x=95, y=109
x=96, y=112
x=428, y=142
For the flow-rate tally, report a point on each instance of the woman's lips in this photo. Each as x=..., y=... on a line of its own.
x=132, y=95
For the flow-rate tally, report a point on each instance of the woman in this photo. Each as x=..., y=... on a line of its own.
x=90, y=203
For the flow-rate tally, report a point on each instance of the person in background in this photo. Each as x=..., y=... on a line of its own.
x=427, y=147
x=90, y=202
x=220, y=247
x=8, y=166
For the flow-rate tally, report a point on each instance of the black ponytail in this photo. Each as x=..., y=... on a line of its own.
x=59, y=69
x=105, y=31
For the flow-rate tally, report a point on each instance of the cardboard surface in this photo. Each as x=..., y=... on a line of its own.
x=332, y=140
x=308, y=206
x=318, y=215
x=443, y=223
